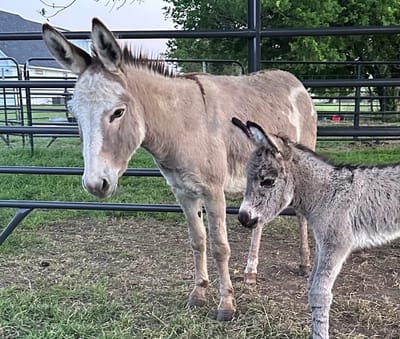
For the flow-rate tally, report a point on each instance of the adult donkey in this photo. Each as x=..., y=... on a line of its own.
x=123, y=100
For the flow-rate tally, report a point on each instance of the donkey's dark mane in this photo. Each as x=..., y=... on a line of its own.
x=140, y=60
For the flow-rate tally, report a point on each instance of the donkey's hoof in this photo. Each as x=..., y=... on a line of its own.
x=225, y=315
x=304, y=270
x=196, y=302
x=250, y=278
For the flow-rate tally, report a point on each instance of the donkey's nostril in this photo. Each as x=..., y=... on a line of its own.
x=246, y=220
x=100, y=187
x=243, y=217
x=105, y=185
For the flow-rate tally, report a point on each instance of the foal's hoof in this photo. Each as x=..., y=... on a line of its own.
x=196, y=302
x=250, y=278
x=304, y=270
x=225, y=315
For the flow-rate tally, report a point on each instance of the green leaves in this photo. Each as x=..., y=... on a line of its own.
x=232, y=14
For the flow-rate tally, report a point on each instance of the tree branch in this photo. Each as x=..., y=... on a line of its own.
x=60, y=8
x=115, y=4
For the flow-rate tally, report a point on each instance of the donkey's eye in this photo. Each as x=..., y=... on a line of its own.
x=118, y=113
x=267, y=183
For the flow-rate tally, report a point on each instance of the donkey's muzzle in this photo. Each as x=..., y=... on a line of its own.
x=246, y=220
x=100, y=188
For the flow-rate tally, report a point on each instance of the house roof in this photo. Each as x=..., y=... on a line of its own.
x=22, y=50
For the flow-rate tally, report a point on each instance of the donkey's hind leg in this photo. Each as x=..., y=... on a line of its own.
x=304, y=267
x=192, y=209
x=250, y=272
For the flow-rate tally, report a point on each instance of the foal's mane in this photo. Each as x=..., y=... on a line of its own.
x=350, y=167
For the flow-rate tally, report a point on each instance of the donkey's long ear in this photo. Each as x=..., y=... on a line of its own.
x=261, y=138
x=106, y=46
x=66, y=53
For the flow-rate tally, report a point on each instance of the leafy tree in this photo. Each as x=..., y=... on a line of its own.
x=232, y=14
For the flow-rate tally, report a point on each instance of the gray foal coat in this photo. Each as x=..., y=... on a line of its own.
x=347, y=207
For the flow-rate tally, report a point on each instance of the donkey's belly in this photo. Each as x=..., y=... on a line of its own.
x=235, y=184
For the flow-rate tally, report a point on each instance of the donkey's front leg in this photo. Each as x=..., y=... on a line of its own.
x=215, y=207
x=304, y=267
x=193, y=212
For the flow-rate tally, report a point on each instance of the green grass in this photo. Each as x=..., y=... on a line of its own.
x=360, y=153
x=89, y=311
x=368, y=116
x=65, y=152
x=345, y=106
x=40, y=113
x=76, y=301
x=80, y=311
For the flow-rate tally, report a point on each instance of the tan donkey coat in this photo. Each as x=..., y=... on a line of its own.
x=123, y=100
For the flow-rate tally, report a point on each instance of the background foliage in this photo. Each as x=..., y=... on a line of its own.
x=232, y=14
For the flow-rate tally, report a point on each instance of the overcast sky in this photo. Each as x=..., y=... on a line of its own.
x=147, y=15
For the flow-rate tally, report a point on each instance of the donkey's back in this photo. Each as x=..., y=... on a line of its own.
x=275, y=98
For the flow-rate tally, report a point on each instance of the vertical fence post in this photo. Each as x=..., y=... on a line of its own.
x=21, y=105
x=254, y=42
x=204, y=66
x=357, y=102
x=6, y=138
x=28, y=105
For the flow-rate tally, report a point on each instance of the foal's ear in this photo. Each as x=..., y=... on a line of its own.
x=238, y=123
x=106, y=46
x=261, y=138
x=67, y=54
x=256, y=134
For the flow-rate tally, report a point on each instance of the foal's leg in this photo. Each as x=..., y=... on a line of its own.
x=250, y=272
x=304, y=267
x=330, y=260
x=193, y=212
x=215, y=207
x=314, y=267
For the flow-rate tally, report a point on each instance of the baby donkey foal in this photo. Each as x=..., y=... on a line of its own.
x=347, y=207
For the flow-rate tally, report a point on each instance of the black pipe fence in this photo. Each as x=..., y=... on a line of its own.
x=354, y=103
x=253, y=33
x=11, y=110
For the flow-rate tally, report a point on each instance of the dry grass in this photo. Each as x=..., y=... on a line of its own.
x=129, y=278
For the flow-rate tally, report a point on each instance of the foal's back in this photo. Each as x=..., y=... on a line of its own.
x=377, y=200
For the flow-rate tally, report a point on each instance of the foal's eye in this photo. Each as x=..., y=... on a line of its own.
x=267, y=183
x=117, y=114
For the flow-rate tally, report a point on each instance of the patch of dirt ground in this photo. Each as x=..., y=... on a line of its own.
x=150, y=255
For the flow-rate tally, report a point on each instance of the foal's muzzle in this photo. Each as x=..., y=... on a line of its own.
x=246, y=220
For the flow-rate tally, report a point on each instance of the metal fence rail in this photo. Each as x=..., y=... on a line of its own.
x=27, y=206
x=322, y=131
x=253, y=33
